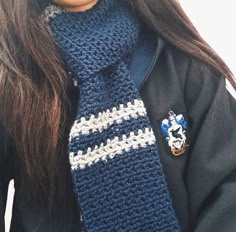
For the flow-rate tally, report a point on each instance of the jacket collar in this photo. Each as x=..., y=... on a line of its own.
x=145, y=56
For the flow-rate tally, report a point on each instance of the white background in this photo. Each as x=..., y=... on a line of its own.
x=215, y=21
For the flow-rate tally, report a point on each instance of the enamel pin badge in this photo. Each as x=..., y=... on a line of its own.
x=174, y=130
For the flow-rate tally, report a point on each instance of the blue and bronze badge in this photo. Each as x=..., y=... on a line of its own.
x=173, y=128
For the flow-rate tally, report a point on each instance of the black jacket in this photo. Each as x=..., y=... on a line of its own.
x=202, y=180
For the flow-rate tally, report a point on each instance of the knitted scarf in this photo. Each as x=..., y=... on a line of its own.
x=115, y=164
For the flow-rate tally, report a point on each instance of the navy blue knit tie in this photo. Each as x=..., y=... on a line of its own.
x=115, y=164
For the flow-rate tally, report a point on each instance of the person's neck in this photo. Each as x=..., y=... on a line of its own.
x=83, y=7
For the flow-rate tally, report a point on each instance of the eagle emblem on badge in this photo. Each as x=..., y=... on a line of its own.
x=174, y=129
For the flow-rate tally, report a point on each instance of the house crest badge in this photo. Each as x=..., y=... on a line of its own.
x=174, y=130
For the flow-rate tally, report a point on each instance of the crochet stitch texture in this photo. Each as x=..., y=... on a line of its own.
x=115, y=163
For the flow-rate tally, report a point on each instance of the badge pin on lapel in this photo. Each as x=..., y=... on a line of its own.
x=174, y=130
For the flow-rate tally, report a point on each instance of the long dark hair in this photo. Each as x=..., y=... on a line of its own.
x=34, y=87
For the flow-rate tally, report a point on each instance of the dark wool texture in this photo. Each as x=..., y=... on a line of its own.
x=115, y=163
